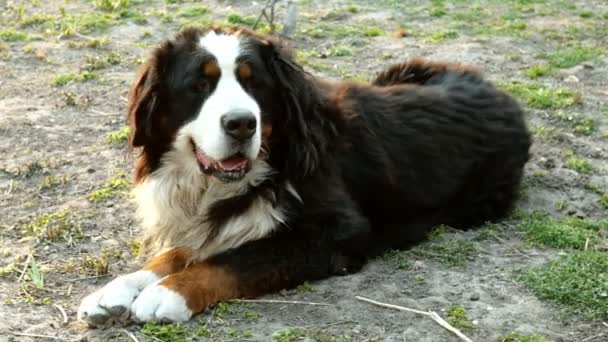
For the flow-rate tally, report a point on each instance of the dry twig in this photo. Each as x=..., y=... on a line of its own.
x=433, y=315
x=25, y=266
x=131, y=336
x=278, y=302
x=41, y=336
x=63, y=314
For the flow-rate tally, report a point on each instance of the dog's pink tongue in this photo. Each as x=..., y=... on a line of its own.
x=202, y=158
x=233, y=163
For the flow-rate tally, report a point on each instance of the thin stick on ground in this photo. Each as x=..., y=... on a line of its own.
x=63, y=314
x=131, y=336
x=433, y=315
x=278, y=302
x=41, y=336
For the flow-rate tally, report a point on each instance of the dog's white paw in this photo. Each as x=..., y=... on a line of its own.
x=157, y=303
x=112, y=302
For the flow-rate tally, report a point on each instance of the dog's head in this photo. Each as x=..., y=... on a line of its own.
x=222, y=98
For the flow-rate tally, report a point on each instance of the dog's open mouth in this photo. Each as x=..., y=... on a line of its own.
x=229, y=169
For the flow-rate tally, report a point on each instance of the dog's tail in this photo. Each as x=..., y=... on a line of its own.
x=418, y=71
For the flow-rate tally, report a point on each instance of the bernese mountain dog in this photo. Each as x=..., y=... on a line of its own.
x=253, y=176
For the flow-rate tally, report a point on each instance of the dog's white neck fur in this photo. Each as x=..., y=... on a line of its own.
x=174, y=200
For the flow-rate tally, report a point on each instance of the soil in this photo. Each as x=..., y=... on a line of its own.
x=61, y=131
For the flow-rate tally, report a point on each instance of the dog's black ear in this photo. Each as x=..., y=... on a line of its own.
x=306, y=131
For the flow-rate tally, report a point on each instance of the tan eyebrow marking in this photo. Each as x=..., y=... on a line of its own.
x=211, y=69
x=244, y=71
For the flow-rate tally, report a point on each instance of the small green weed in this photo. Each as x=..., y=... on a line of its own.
x=64, y=79
x=98, y=265
x=192, y=12
x=517, y=337
x=114, y=187
x=541, y=96
x=165, y=332
x=120, y=136
x=539, y=70
x=36, y=274
x=579, y=165
x=112, y=5
x=439, y=37
x=51, y=182
x=372, y=31
x=93, y=63
x=236, y=19
x=49, y=226
x=10, y=35
x=457, y=317
x=305, y=287
x=578, y=282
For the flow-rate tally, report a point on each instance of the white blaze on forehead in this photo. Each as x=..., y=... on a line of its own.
x=228, y=95
x=225, y=48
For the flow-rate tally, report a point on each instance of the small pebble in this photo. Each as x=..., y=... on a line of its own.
x=475, y=296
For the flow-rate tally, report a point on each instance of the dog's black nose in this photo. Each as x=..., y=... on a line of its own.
x=239, y=124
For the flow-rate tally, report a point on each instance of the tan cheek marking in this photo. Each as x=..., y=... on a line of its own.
x=203, y=285
x=211, y=70
x=170, y=262
x=266, y=131
x=245, y=71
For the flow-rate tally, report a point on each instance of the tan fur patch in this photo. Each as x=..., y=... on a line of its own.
x=170, y=262
x=211, y=70
x=202, y=285
x=245, y=71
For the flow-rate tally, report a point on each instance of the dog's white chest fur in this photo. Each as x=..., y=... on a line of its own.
x=173, y=203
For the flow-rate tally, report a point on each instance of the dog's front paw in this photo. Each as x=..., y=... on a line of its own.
x=157, y=303
x=111, y=304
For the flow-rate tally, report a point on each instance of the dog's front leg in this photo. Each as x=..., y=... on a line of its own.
x=112, y=303
x=254, y=269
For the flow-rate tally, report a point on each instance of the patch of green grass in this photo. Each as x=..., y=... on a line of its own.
x=10, y=35
x=579, y=165
x=287, y=335
x=98, y=265
x=112, y=5
x=237, y=19
x=306, y=287
x=352, y=9
x=373, y=31
x=457, y=317
x=120, y=136
x=586, y=14
x=49, y=226
x=582, y=125
x=578, y=282
x=397, y=259
x=541, y=96
x=93, y=63
x=438, y=10
x=542, y=230
x=224, y=310
x=166, y=332
x=442, y=36
x=192, y=12
x=540, y=70
x=92, y=43
x=340, y=51
x=452, y=252
x=544, y=133
x=115, y=187
x=330, y=30
x=63, y=79
x=51, y=182
x=36, y=20
x=572, y=56
x=517, y=337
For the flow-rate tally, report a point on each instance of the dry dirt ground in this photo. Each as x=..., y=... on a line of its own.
x=66, y=223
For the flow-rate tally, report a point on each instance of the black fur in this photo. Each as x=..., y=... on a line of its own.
x=376, y=165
